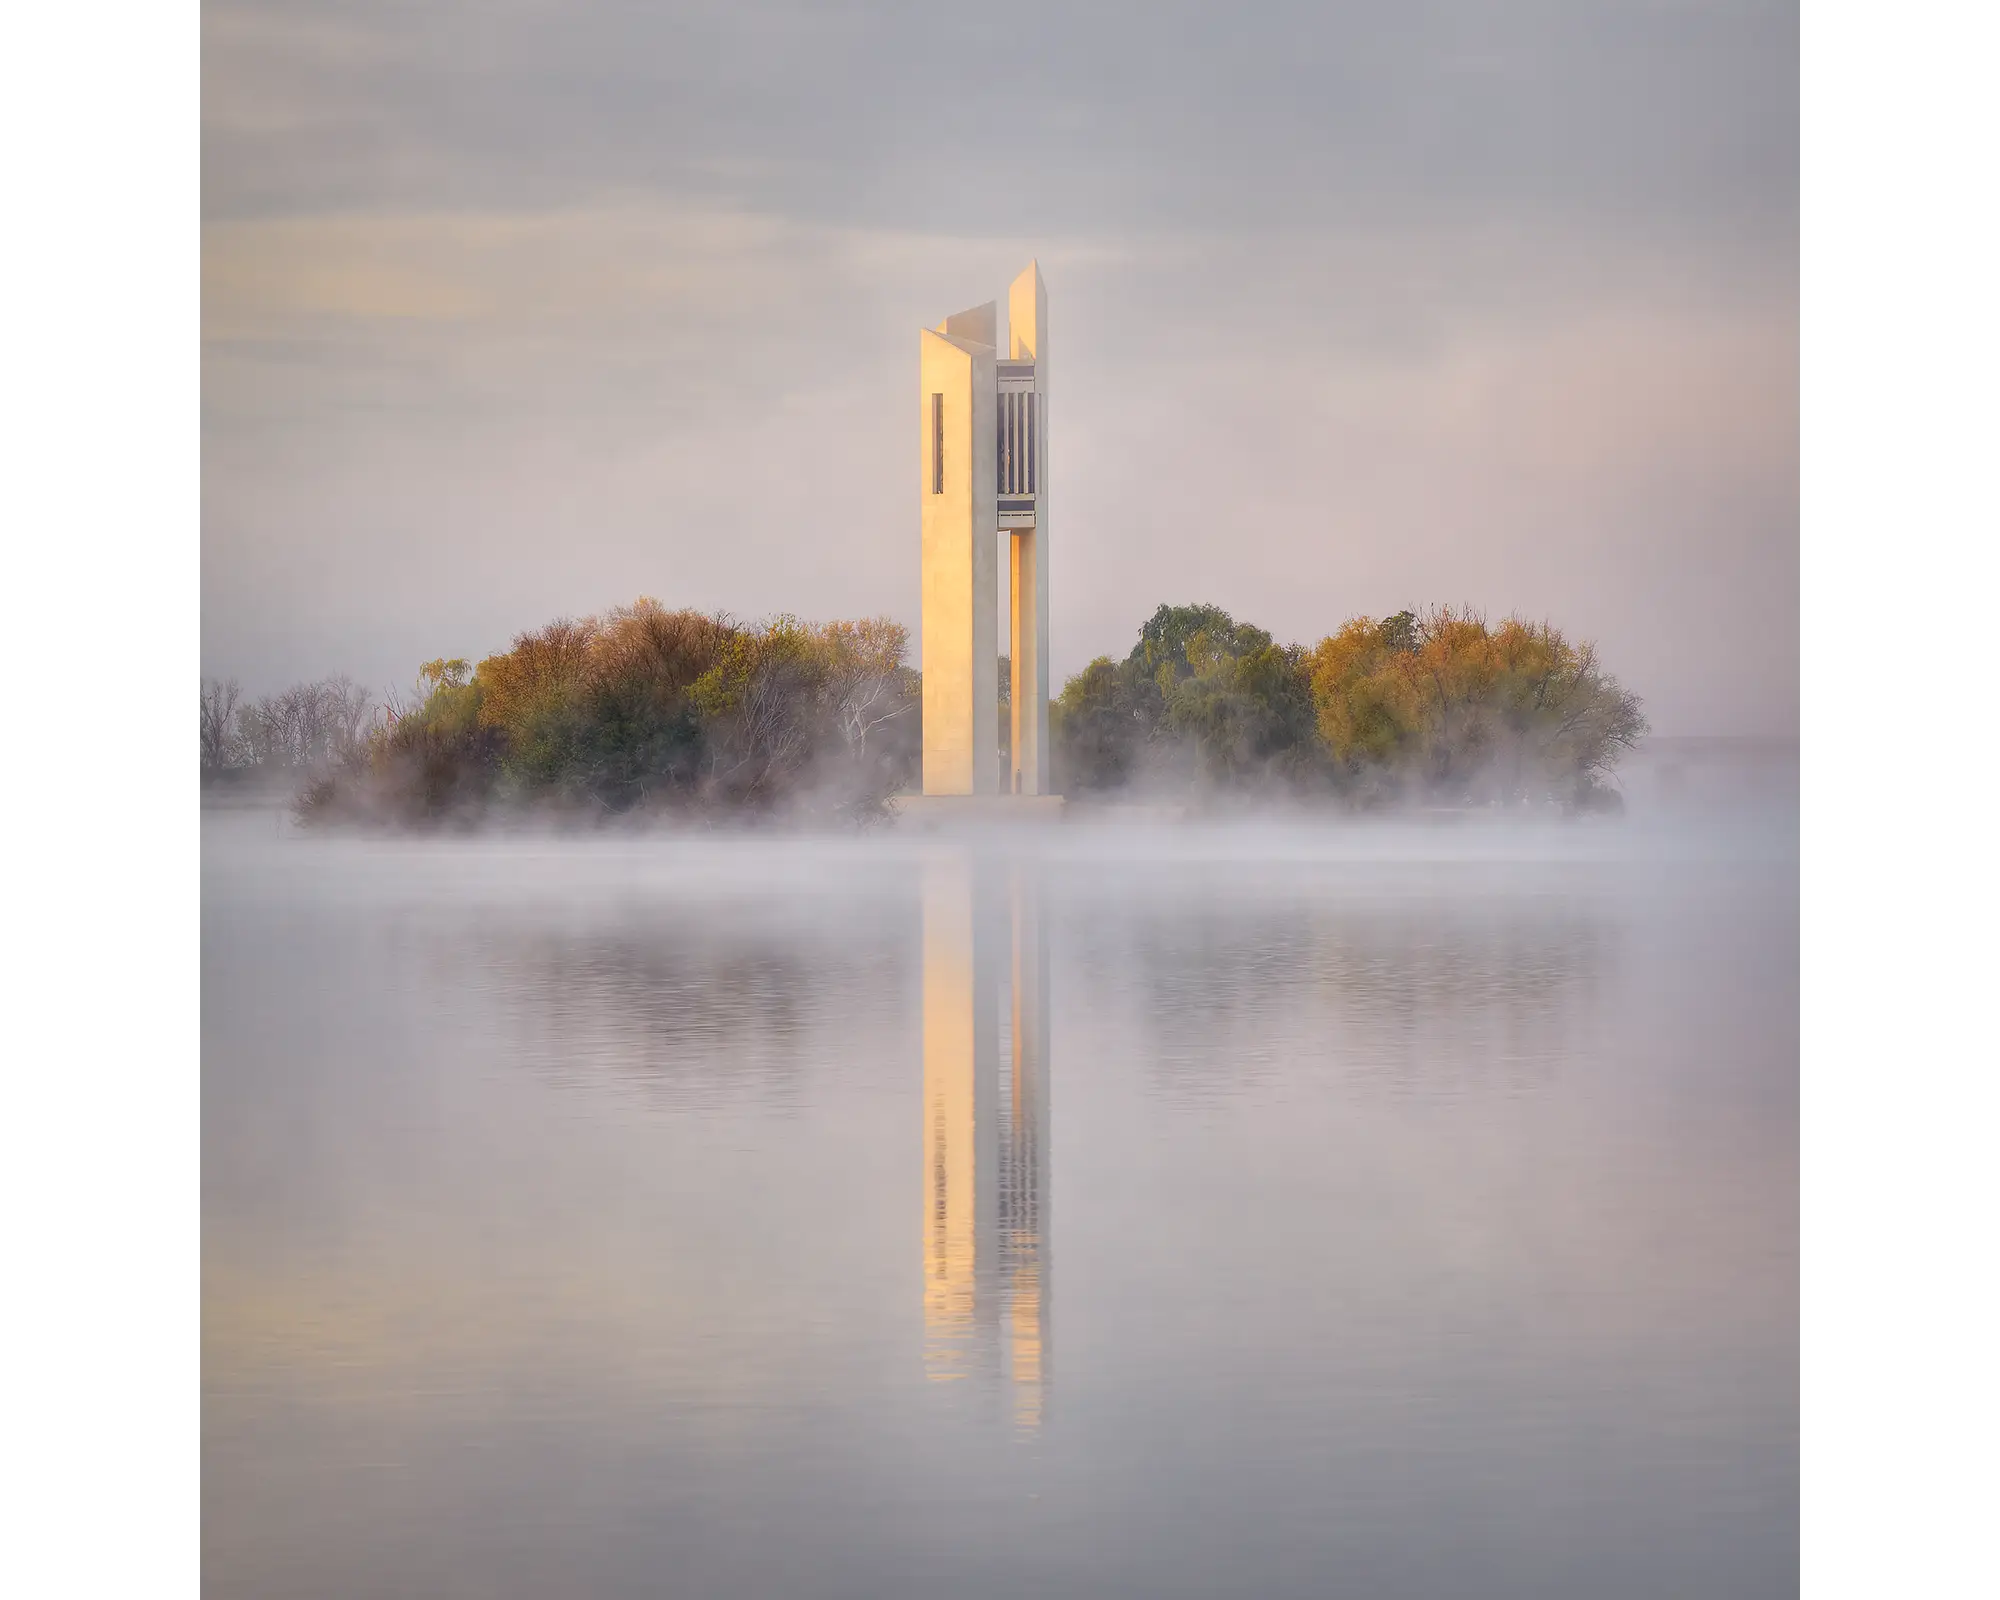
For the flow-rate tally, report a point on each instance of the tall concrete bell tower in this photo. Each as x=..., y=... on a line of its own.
x=984, y=423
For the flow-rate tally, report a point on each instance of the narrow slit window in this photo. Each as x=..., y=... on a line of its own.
x=937, y=444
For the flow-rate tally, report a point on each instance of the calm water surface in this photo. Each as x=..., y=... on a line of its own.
x=1384, y=1211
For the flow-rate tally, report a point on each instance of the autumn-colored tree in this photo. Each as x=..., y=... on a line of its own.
x=789, y=710
x=430, y=759
x=1445, y=706
x=867, y=686
x=645, y=708
x=639, y=735
x=538, y=673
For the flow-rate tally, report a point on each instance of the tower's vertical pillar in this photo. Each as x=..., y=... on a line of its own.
x=1027, y=327
x=961, y=596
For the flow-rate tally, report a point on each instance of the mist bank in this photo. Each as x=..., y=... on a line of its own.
x=650, y=713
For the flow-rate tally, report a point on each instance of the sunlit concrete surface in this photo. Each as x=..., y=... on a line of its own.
x=960, y=579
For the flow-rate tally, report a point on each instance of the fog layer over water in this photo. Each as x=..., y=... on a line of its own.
x=1390, y=1210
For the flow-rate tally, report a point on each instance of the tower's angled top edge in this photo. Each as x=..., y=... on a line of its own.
x=981, y=324
x=970, y=347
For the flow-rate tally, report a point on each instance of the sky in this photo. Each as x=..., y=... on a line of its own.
x=514, y=310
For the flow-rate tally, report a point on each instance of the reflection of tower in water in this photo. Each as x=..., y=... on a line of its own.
x=986, y=1129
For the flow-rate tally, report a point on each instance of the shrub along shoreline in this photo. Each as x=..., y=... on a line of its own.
x=646, y=712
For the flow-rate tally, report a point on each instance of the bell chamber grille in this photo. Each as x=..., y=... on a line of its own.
x=1020, y=442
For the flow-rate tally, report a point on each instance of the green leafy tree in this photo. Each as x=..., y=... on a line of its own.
x=1100, y=726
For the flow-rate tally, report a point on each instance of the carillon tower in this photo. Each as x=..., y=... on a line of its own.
x=985, y=435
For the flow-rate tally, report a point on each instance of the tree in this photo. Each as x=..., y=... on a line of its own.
x=1100, y=727
x=1165, y=635
x=310, y=726
x=1245, y=708
x=1202, y=701
x=646, y=707
x=865, y=685
x=218, y=719
x=1443, y=705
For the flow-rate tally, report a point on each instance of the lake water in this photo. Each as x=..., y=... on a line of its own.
x=1384, y=1210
